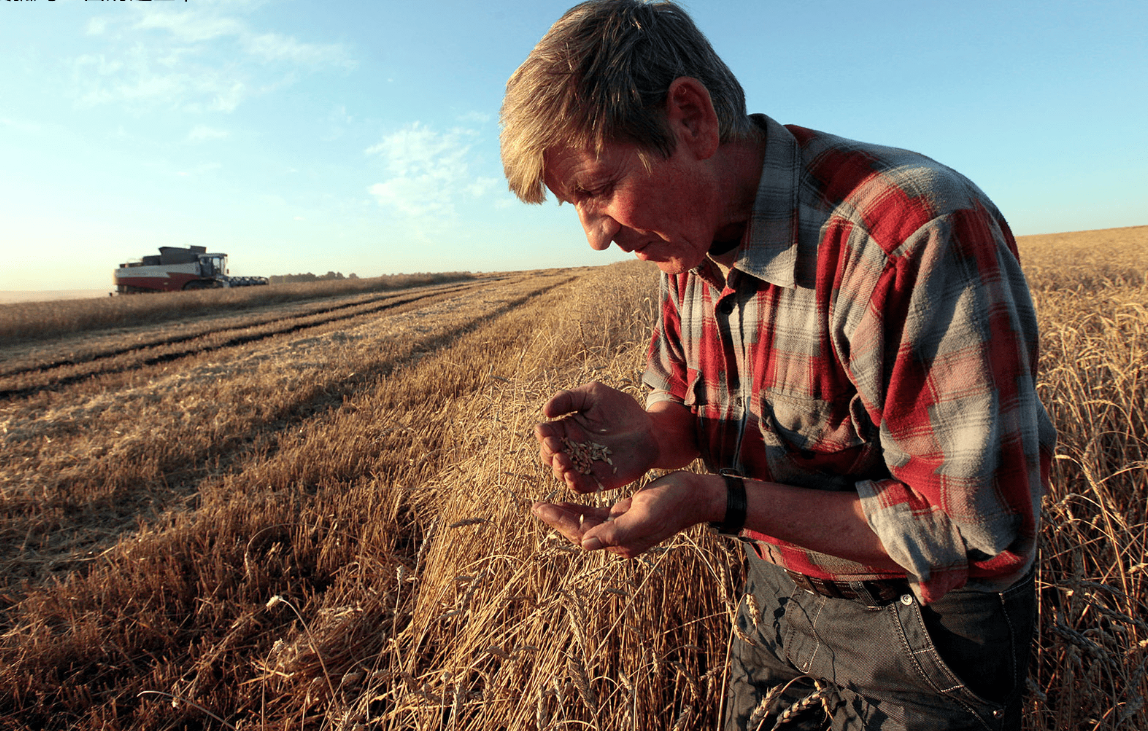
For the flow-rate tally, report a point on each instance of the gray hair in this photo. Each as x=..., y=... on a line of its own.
x=600, y=75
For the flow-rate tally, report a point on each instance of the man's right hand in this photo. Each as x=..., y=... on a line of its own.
x=596, y=413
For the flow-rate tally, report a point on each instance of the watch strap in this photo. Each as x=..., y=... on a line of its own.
x=735, y=505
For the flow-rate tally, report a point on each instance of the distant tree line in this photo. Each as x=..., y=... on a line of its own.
x=309, y=277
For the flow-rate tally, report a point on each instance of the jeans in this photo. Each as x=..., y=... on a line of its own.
x=959, y=663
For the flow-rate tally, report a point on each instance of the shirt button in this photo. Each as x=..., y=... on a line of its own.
x=906, y=599
x=725, y=307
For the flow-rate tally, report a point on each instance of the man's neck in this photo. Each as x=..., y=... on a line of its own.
x=742, y=161
x=724, y=261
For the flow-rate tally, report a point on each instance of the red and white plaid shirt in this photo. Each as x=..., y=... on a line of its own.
x=875, y=334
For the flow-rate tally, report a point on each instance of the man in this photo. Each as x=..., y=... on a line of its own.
x=845, y=338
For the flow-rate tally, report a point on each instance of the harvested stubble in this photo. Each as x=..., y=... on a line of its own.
x=81, y=465
x=43, y=320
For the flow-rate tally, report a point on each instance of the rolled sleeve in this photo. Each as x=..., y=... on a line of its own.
x=917, y=535
x=658, y=395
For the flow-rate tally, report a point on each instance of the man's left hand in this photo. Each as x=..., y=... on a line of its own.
x=634, y=525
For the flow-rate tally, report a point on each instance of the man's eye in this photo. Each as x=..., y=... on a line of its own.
x=596, y=191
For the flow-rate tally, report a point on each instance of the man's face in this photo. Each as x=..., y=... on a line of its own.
x=665, y=214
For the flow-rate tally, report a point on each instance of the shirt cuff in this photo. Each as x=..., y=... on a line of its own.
x=918, y=536
x=658, y=395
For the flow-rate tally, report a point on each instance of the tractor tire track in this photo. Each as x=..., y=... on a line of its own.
x=49, y=377
x=254, y=318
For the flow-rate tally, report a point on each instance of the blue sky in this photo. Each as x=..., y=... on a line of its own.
x=362, y=136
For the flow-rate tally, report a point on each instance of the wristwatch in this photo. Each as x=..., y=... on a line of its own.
x=735, y=506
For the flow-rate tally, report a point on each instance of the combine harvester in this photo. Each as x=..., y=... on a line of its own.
x=176, y=270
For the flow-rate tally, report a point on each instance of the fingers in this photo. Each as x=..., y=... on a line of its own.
x=620, y=537
x=621, y=507
x=559, y=404
x=552, y=453
x=599, y=528
x=575, y=414
x=610, y=537
x=569, y=519
x=639, y=523
x=550, y=436
x=569, y=401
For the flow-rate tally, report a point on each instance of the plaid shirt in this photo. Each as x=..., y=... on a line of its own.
x=875, y=334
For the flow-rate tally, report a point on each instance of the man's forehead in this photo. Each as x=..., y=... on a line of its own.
x=565, y=166
x=567, y=158
x=569, y=164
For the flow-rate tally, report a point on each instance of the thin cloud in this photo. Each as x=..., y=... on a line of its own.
x=21, y=125
x=336, y=124
x=203, y=133
x=205, y=168
x=189, y=27
x=480, y=186
x=428, y=171
x=475, y=117
x=173, y=60
x=96, y=26
x=273, y=47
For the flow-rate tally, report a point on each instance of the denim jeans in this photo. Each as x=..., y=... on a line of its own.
x=959, y=663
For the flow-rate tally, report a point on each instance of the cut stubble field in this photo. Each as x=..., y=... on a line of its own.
x=315, y=514
x=148, y=415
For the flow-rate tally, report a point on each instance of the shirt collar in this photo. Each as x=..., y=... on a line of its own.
x=769, y=249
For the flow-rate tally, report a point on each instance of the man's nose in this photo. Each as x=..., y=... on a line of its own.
x=600, y=229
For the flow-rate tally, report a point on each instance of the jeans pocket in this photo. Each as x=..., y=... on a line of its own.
x=974, y=646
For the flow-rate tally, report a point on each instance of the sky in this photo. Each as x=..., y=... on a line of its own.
x=362, y=135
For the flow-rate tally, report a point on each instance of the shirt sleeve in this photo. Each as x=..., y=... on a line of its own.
x=944, y=356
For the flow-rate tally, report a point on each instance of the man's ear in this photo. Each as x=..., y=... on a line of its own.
x=692, y=118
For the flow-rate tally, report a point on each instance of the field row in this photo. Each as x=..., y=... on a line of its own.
x=45, y=322
x=68, y=361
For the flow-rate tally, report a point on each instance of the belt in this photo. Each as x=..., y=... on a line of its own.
x=874, y=593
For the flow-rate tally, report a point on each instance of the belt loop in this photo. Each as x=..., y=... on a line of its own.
x=866, y=596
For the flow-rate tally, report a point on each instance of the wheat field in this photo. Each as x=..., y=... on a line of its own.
x=300, y=516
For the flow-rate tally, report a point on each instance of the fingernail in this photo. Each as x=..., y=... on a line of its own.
x=591, y=544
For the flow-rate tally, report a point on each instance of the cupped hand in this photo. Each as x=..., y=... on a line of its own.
x=634, y=525
x=571, y=519
x=595, y=414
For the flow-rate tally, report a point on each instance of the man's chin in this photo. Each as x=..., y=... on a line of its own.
x=671, y=265
x=675, y=266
